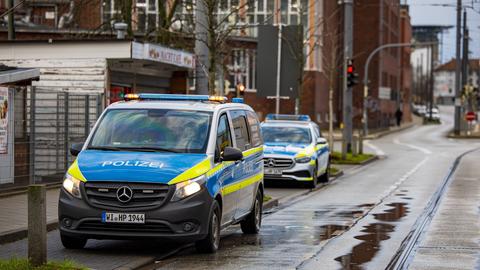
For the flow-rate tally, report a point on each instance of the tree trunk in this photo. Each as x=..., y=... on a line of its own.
x=330, y=118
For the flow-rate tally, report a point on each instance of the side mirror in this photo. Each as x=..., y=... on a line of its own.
x=321, y=141
x=76, y=148
x=232, y=154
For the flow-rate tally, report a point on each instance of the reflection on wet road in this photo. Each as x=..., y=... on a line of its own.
x=288, y=237
x=373, y=235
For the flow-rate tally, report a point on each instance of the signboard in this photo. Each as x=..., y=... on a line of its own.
x=3, y=120
x=470, y=116
x=267, y=60
x=162, y=54
x=384, y=93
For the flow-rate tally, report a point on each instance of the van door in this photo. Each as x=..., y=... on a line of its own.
x=225, y=176
x=247, y=169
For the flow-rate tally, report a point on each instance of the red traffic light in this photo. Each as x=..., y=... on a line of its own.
x=350, y=69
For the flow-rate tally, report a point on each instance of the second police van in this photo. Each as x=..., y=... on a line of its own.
x=295, y=149
x=178, y=167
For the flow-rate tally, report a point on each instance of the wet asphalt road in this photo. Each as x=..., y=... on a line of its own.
x=355, y=222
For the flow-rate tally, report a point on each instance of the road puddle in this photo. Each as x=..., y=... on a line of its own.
x=374, y=234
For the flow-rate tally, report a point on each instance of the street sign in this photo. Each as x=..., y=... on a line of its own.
x=470, y=116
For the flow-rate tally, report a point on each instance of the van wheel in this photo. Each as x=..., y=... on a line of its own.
x=325, y=177
x=252, y=223
x=212, y=241
x=72, y=242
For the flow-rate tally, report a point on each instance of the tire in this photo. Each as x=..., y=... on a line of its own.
x=72, y=242
x=212, y=241
x=313, y=184
x=252, y=223
x=324, y=178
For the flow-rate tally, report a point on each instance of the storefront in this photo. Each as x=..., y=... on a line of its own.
x=74, y=82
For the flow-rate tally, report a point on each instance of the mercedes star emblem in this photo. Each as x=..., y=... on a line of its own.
x=271, y=163
x=124, y=194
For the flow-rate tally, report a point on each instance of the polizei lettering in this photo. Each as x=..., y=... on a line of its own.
x=129, y=163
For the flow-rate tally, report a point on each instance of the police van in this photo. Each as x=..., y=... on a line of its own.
x=175, y=167
x=295, y=149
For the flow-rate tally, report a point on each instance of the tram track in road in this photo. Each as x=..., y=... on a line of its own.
x=409, y=245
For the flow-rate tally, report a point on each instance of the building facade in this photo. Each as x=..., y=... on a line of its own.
x=378, y=22
x=444, y=83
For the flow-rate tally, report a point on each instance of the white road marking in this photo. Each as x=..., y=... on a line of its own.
x=377, y=150
x=402, y=179
x=421, y=149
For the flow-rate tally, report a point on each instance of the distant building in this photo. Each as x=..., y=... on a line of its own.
x=444, y=84
x=379, y=22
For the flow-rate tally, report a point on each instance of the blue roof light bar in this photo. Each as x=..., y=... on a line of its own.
x=177, y=97
x=290, y=117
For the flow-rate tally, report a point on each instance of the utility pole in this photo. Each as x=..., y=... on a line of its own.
x=465, y=51
x=347, y=91
x=457, y=69
x=201, y=49
x=11, y=20
x=431, y=83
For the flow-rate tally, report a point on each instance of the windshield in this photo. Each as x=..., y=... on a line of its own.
x=300, y=135
x=164, y=130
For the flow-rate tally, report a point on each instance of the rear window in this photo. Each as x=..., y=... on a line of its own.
x=255, y=130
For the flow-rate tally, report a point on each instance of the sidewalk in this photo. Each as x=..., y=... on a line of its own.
x=375, y=134
x=452, y=239
x=14, y=218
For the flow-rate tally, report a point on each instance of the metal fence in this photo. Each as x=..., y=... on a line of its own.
x=45, y=124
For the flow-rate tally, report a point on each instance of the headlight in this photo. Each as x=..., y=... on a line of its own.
x=188, y=188
x=303, y=159
x=72, y=185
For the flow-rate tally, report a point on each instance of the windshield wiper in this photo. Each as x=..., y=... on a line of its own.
x=104, y=148
x=148, y=149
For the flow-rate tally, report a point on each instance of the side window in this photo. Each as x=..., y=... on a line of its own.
x=224, y=137
x=317, y=131
x=255, y=130
x=241, y=131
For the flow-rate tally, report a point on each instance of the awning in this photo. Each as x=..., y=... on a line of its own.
x=11, y=75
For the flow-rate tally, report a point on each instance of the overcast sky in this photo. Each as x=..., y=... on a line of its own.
x=425, y=12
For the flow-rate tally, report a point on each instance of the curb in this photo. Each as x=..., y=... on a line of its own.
x=388, y=132
x=19, y=234
x=270, y=204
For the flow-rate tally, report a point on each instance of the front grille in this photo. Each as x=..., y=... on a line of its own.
x=283, y=163
x=104, y=194
x=120, y=227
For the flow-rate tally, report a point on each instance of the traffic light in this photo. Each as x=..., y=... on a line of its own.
x=240, y=90
x=352, y=77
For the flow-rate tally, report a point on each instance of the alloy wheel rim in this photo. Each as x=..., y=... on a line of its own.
x=215, y=230
x=257, y=214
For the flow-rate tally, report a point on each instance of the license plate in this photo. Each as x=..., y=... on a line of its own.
x=273, y=171
x=123, y=218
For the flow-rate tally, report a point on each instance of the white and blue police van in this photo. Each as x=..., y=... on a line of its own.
x=295, y=150
x=173, y=167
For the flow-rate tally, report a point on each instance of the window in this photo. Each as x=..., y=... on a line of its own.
x=241, y=131
x=224, y=137
x=254, y=129
x=289, y=135
x=163, y=130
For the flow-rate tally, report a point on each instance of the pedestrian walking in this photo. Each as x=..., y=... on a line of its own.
x=398, y=116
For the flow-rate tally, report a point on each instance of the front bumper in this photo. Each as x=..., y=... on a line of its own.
x=185, y=220
x=296, y=172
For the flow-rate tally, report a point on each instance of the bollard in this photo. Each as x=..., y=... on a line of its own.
x=360, y=144
x=354, y=145
x=37, y=225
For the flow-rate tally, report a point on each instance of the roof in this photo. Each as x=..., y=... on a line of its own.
x=12, y=74
x=180, y=105
x=474, y=64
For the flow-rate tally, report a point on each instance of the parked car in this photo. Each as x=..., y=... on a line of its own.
x=295, y=150
x=176, y=167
